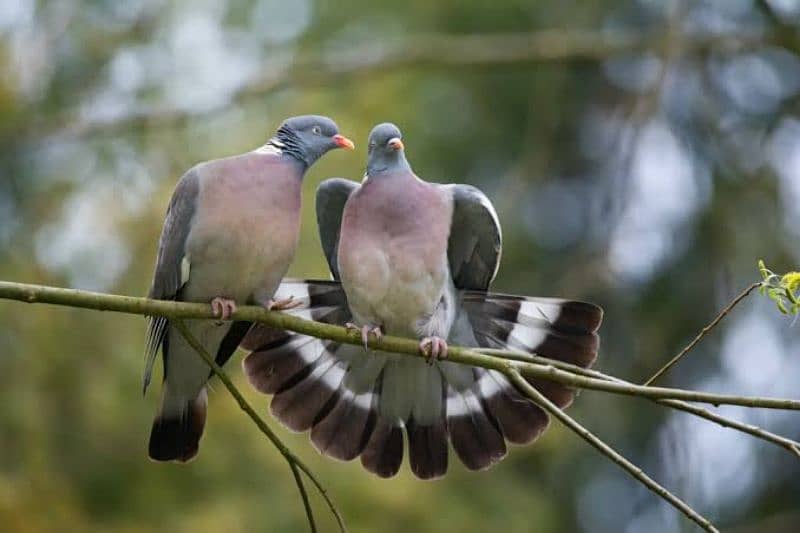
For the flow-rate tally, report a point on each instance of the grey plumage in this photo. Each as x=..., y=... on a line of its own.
x=230, y=232
x=169, y=276
x=332, y=194
x=475, y=244
x=416, y=259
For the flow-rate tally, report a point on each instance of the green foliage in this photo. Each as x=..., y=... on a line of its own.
x=781, y=289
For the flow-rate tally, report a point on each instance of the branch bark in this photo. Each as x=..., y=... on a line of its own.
x=294, y=462
x=789, y=445
x=143, y=306
x=689, y=347
x=636, y=472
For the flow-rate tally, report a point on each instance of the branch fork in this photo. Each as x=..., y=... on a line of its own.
x=516, y=366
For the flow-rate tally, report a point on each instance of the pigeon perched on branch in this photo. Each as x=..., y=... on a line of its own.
x=415, y=259
x=230, y=233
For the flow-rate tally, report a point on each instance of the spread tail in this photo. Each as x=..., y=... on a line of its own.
x=358, y=404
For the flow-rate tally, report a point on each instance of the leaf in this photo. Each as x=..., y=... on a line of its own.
x=781, y=289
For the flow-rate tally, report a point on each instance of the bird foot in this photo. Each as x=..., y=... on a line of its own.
x=433, y=348
x=365, y=331
x=223, y=307
x=282, y=305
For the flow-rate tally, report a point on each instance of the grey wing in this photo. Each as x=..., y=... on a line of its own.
x=332, y=194
x=172, y=271
x=475, y=243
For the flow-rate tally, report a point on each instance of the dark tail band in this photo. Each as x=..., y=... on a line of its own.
x=177, y=438
x=358, y=404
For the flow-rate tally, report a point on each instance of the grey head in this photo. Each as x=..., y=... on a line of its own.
x=386, y=152
x=309, y=137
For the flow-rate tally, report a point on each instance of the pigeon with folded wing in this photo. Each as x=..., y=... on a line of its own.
x=230, y=233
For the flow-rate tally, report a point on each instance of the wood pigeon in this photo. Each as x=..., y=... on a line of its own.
x=229, y=236
x=414, y=259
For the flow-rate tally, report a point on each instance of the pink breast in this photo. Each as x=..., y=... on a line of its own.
x=403, y=220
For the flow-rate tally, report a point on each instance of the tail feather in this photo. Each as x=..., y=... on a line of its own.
x=344, y=432
x=427, y=448
x=176, y=436
x=520, y=420
x=546, y=340
x=474, y=432
x=281, y=361
x=302, y=402
x=475, y=436
x=567, y=315
x=558, y=329
x=561, y=395
x=357, y=404
x=383, y=453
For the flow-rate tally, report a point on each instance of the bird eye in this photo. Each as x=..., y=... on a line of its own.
x=316, y=130
x=372, y=144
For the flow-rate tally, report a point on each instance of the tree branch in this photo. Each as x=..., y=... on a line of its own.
x=294, y=462
x=304, y=496
x=143, y=306
x=742, y=295
x=512, y=364
x=636, y=472
x=790, y=445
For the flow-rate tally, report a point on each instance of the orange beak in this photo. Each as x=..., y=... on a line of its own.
x=396, y=144
x=343, y=142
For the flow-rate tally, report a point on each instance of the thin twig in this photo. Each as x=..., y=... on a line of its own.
x=753, y=430
x=304, y=495
x=143, y=306
x=542, y=401
x=291, y=458
x=703, y=332
x=790, y=445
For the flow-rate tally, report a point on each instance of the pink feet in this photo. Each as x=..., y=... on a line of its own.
x=365, y=331
x=433, y=348
x=282, y=305
x=223, y=307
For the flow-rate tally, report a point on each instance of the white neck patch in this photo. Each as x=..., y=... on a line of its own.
x=269, y=148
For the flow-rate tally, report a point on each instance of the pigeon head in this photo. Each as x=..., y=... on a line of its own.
x=386, y=150
x=309, y=137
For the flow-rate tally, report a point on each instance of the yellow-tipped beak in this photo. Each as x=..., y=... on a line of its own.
x=396, y=144
x=343, y=142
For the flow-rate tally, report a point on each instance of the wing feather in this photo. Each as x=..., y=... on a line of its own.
x=332, y=194
x=172, y=266
x=475, y=243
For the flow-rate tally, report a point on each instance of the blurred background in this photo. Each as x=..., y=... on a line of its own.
x=641, y=154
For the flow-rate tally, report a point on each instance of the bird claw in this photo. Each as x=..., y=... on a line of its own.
x=223, y=308
x=433, y=348
x=365, y=331
x=282, y=305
